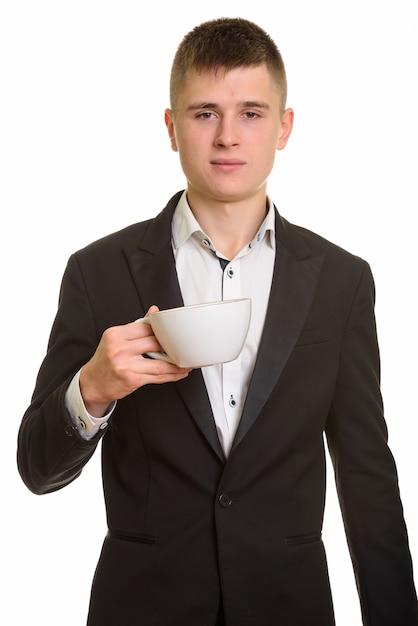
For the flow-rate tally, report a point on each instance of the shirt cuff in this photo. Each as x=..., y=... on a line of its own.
x=87, y=425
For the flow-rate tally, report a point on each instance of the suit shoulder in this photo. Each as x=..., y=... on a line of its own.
x=338, y=265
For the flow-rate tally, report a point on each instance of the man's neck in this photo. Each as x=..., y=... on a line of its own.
x=230, y=226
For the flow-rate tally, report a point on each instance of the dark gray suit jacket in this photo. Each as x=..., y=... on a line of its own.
x=188, y=527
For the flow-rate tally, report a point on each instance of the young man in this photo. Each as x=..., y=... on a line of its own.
x=214, y=479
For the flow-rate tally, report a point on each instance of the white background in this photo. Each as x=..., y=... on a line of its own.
x=84, y=152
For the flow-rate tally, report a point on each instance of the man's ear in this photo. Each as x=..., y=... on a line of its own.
x=286, y=128
x=168, y=118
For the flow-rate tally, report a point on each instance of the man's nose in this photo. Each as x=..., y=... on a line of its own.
x=228, y=134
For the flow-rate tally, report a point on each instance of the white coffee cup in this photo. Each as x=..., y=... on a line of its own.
x=201, y=334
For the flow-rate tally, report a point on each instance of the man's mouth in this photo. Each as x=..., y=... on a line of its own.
x=228, y=165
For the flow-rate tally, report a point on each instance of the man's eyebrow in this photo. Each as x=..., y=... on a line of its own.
x=245, y=104
x=201, y=105
x=254, y=104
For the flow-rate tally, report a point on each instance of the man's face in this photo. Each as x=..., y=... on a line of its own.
x=227, y=128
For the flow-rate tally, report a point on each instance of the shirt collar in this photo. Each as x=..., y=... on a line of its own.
x=184, y=225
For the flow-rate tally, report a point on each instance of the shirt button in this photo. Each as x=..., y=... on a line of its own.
x=232, y=401
x=224, y=500
x=206, y=243
x=230, y=272
x=103, y=425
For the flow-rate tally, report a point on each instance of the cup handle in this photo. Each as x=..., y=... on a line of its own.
x=163, y=356
x=144, y=320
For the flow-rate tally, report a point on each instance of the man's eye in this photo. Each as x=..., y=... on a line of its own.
x=251, y=115
x=206, y=115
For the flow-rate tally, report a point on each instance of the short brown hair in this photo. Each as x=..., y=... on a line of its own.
x=225, y=44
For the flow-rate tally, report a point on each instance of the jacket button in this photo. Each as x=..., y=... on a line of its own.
x=69, y=430
x=224, y=500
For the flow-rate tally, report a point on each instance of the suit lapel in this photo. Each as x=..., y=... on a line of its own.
x=153, y=271
x=152, y=263
x=294, y=283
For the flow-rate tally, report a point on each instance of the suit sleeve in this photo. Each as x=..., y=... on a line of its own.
x=366, y=476
x=51, y=453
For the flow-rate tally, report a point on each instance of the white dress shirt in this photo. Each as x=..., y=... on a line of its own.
x=203, y=279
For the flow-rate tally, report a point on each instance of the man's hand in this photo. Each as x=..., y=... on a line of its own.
x=118, y=367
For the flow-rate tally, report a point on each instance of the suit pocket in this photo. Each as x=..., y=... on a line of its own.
x=301, y=540
x=135, y=537
x=314, y=336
